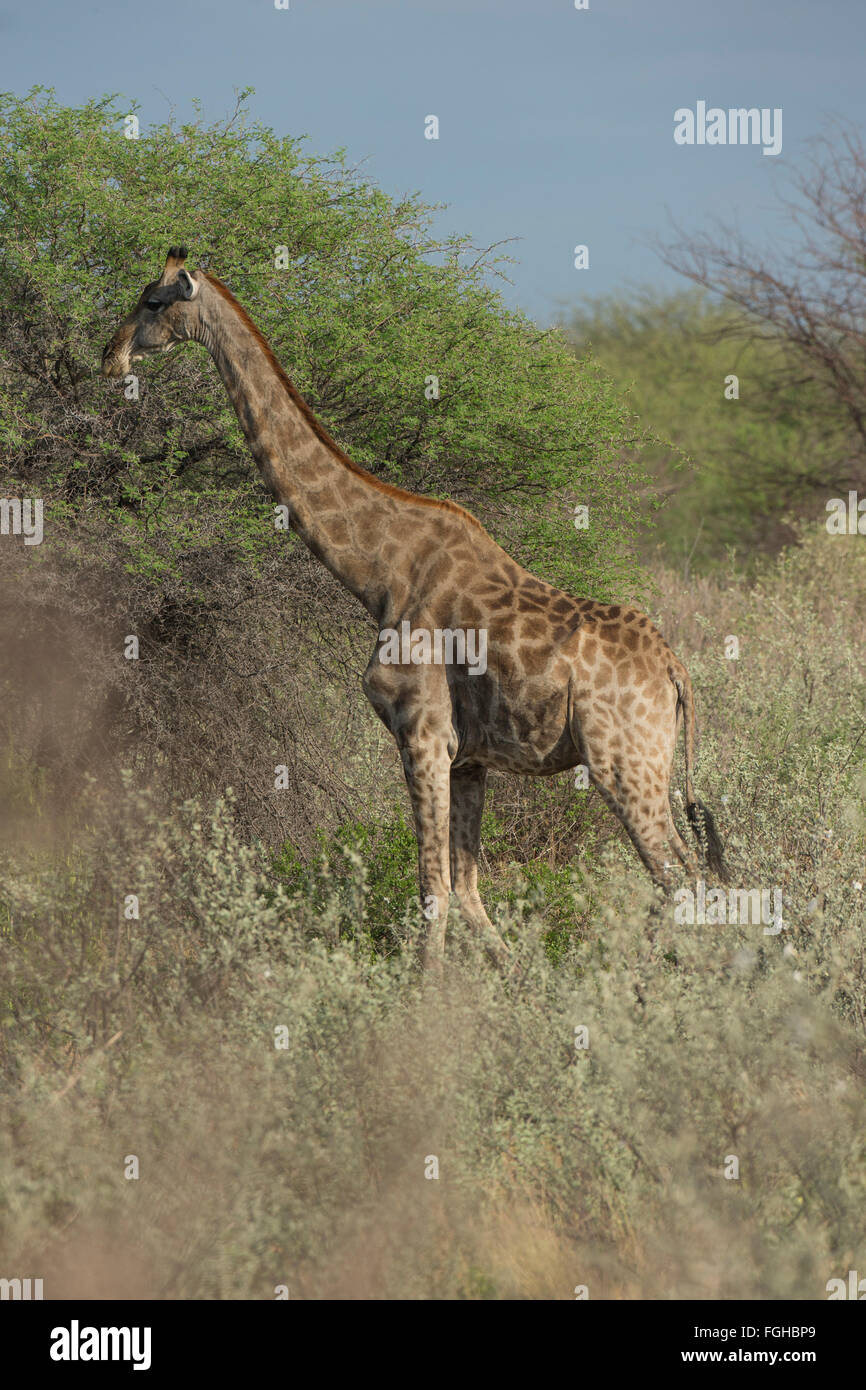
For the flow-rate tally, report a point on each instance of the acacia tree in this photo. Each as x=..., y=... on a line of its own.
x=362, y=303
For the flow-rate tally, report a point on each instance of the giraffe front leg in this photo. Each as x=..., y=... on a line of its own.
x=427, y=771
x=468, y=785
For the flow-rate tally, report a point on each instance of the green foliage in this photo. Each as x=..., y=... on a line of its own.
x=368, y=307
x=732, y=471
x=385, y=856
x=547, y=886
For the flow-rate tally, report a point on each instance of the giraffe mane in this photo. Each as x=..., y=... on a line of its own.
x=316, y=425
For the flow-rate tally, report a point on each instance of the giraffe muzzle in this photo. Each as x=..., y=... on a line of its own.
x=115, y=362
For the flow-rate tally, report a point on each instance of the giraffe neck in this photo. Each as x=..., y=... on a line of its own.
x=342, y=513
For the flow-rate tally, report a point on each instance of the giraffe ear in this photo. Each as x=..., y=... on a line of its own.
x=187, y=285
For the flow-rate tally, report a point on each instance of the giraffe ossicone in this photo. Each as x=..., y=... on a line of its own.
x=567, y=682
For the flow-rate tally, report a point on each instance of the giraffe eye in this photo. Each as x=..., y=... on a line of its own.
x=154, y=304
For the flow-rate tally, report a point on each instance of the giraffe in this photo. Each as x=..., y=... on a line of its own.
x=555, y=681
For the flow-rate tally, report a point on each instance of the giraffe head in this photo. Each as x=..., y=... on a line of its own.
x=166, y=314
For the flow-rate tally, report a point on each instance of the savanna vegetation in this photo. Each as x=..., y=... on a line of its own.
x=222, y=979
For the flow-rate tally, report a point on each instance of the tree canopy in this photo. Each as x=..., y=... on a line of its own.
x=361, y=303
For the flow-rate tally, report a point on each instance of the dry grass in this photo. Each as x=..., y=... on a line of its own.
x=558, y=1167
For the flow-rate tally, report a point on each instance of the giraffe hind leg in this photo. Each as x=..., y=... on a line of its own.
x=683, y=851
x=647, y=823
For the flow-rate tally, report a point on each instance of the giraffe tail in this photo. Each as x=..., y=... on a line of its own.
x=699, y=816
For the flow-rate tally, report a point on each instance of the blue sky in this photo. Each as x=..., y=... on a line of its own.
x=556, y=125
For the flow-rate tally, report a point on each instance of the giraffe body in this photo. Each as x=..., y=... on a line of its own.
x=566, y=681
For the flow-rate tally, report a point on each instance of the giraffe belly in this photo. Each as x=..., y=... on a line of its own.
x=522, y=759
x=528, y=735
